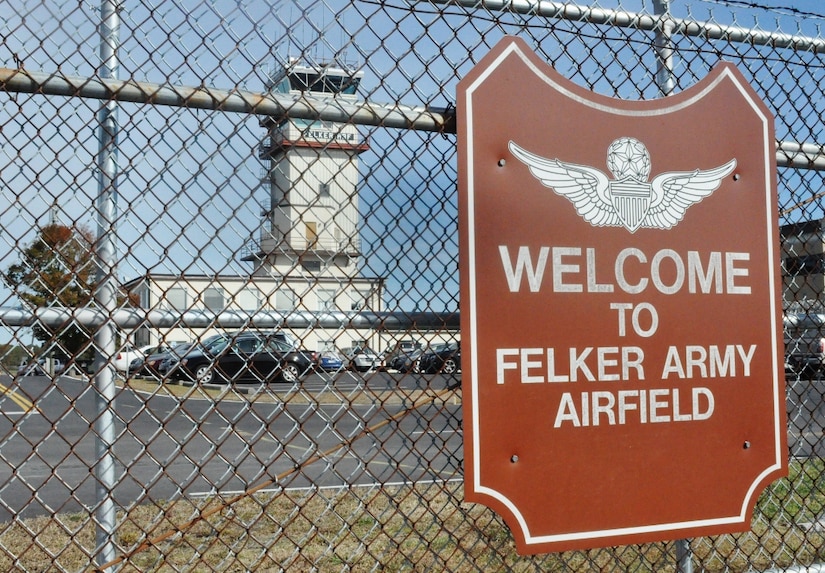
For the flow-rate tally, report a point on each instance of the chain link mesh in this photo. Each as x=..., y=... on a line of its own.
x=201, y=201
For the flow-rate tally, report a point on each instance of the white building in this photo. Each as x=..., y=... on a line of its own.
x=247, y=296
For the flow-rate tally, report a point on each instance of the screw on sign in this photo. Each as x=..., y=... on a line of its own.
x=634, y=390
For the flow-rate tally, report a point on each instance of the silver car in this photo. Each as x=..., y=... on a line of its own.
x=363, y=359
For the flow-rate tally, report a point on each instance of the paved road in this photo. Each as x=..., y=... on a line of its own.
x=169, y=447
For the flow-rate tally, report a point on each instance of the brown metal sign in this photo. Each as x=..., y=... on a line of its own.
x=620, y=306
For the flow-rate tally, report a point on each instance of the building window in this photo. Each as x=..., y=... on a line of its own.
x=806, y=265
x=311, y=234
x=142, y=294
x=142, y=336
x=213, y=299
x=177, y=298
x=323, y=191
x=357, y=300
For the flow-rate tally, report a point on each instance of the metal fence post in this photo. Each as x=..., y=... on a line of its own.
x=106, y=293
x=664, y=47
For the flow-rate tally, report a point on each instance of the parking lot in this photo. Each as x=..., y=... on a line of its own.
x=197, y=444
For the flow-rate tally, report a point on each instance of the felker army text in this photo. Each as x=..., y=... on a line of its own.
x=615, y=364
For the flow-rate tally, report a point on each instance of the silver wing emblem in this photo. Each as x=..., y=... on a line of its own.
x=629, y=200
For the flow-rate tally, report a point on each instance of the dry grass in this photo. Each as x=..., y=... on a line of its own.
x=399, y=528
x=273, y=393
x=396, y=528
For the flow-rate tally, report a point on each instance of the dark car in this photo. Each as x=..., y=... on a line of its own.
x=171, y=361
x=405, y=360
x=402, y=356
x=172, y=358
x=408, y=361
x=445, y=359
x=149, y=365
x=248, y=357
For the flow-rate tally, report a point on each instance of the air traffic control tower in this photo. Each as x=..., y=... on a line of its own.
x=311, y=169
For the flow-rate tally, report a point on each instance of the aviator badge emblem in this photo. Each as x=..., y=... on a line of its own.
x=629, y=200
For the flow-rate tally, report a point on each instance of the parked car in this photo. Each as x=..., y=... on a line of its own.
x=172, y=358
x=39, y=367
x=150, y=364
x=445, y=359
x=403, y=360
x=247, y=357
x=805, y=344
x=363, y=359
x=127, y=354
x=330, y=361
x=408, y=361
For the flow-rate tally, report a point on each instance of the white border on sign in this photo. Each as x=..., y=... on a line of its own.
x=768, y=160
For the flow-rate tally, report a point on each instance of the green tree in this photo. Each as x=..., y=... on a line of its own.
x=12, y=354
x=57, y=270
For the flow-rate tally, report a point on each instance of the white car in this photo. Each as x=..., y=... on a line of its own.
x=39, y=367
x=126, y=354
x=363, y=359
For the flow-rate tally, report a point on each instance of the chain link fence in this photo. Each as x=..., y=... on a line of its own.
x=230, y=297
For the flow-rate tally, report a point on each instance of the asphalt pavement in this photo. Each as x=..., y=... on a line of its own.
x=169, y=447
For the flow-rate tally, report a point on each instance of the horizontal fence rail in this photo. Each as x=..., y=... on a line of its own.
x=228, y=100
x=643, y=22
x=132, y=318
x=789, y=154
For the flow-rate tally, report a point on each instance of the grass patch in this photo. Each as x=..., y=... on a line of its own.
x=283, y=394
x=798, y=498
x=399, y=528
